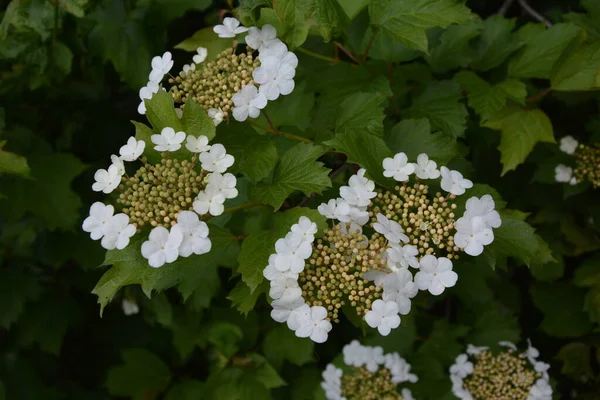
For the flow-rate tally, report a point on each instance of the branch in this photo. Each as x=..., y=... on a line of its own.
x=525, y=6
x=505, y=7
x=538, y=96
x=279, y=133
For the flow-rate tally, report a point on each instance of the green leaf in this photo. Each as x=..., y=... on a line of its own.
x=361, y=112
x=297, y=170
x=226, y=338
x=542, y=49
x=281, y=344
x=493, y=326
x=11, y=163
x=577, y=362
x=578, y=69
x=441, y=103
x=294, y=109
x=292, y=16
x=243, y=299
x=407, y=20
x=208, y=39
x=454, y=49
x=520, y=130
x=186, y=390
x=75, y=7
x=413, y=137
x=486, y=99
x=62, y=57
x=330, y=18
x=144, y=132
x=195, y=121
x=17, y=288
x=160, y=111
x=353, y=7
x=497, y=42
x=142, y=376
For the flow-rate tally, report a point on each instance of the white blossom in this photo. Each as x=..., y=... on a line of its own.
x=474, y=350
x=483, y=207
x=279, y=50
x=472, y=235
x=286, y=287
x=435, y=274
x=400, y=288
x=374, y=358
x=107, y=180
x=510, y=345
x=458, y=390
x=306, y=228
x=540, y=391
x=399, y=369
x=230, y=28
x=360, y=190
x=129, y=307
x=358, y=215
x=248, y=103
x=283, y=310
x=453, y=182
x=160, y=67
x=335, y=209
x=194, y=233
x=562, y=173
x=216, y=159
x=168, y=140
x=314, y=325
x=162, y=246
x=390, y=229
x=462, y=366
x=271, y=273
x=223, y=184
x=406, y=393
x=426, y=168
x=145, y=94
x=209, y=201
x=291, y=252
x=355, y=354
x=568, y=144
x=398, y=167
x=216, y=114
x=99, y=220
x=132, y=150
x=200, y=56
x=261, y=38
x=402, y=257
x=383, y=316
x=197, y=144
x=332, y=384
x=274, y=77
x=118, y=232
x=375, y=276
x=189, y=68
x=118, y=161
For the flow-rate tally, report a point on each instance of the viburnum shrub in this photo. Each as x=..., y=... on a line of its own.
x=286, y=199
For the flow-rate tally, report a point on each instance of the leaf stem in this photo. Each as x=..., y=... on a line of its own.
x=269, y=121
x=527, y=8
x=368, y=49
x=242, y=206
x=538, y=96
x=280, y=133
x=505, y=6
x=347, y=52
x=318, y=56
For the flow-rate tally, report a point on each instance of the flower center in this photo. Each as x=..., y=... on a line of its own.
x=361, y=384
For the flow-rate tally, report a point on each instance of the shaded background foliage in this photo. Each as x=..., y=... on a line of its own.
x=69, y=75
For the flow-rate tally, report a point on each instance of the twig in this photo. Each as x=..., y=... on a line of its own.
x=366, y=53
x=538, y=96
x=269, y=121
x=342, y=48
x=280, y=133
x=525, y=6
x=319, y=56
x=505, y=7
x=241, y=207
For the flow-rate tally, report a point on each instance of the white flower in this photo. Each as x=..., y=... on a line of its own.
x=107, y=180
x=510, y=345
x=283, y=310
x=360, y=190
x=286, y=288
x=474, y=350
x=132, y=150
x=462, y=366
x=484, y=208
x=146, y=93
x=188, y=68
x=314, y=325
x=274, y=77
x=162, y=246
x=230, y=28
x=160, y=67
x=562, y=173
x=402, y=256
x=98, y=221
x=223, y=184
x=118, y=161
x=201, y=56
x=278, y=49
x=375, y=276
x=573, y=181
x=336, y=209
x=291, y=252
x=358, y=215
x=129, y=307
x=568, y=144
x=355, y=354
x=426, y=168
x=332, y=384
x=306, y=228
x=197, y=144
x=406, y=394
x=400, y=288
x=453, y=182
x=472, y=234
x=271, y=273
x=216, y=159
x=118, y=232
x=209, y=201
x=399, y=369
x=458, y=390
x=390, y=229
x=194, y=233
x=374, y=357
x=398, y=167
x=258, y=38
x=168, y=140
x=435, y=275
x=383, y=316
x=248, y=103
x=216, y=114
x=540, y=391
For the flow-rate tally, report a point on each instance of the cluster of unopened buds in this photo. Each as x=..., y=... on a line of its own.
x=368, y=374
x=377, y=235
x=586, y=163
x=169, y=196
x=480, y=374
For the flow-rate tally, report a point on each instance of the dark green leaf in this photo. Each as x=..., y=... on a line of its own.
x=497, y=42
x=454, y=49
x=143, y=375
x=281, y=344
x=578, y=69
x=361, y=112
x=18, y=288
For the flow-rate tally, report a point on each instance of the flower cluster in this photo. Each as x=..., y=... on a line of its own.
x=480, y=374
x=587, y=163
x=169, y=196
x=369, y=374
x=161, y=65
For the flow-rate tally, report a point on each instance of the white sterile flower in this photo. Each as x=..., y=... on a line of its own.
x=484, y=208
x=107, y=180
x=259, y=38
x=406, y=394
x=336, y=209
x=435, y=275
x=314, y=325
x=118, y=161
x=359, y=216
x=306, y=228
x=99, y=220
x=474, y=350
x=399, y=369
x=562, y=173
x=568, y=145
x=360, y=190
x=472, y=235
x=216, y=159
x=375, y=276
x=390, y=229
x=510, y=345
x=271, y=273
x=540, y=391
x=283, y=310
x=189, y=67
x=248, y=103
x=426, y=168
x=132, y=150
x=129, y=307
x=542, y=367
x=383, y=316
x=223, y=184
x=354, y=354
x=160, y=67
x=216, y=114
x=162, y=246
x=400, y=288
x=230, y=28
x=197, y=144
x=118, y=232
x=458, y=390
x=402, y=257
x=573, y=181
x=145, y=94
x=194, y=233
x=168, y=140
x=332, y=383
x=278, y=49
x=291, y=252
x=199, y=58
x=210, y=202
x=274, y=77
x=462, y=366
x=285, y=288
x=374, y=358
x=398, y=167
x=453, y=182
x=532, y=353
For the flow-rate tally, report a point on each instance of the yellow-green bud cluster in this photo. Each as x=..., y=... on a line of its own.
x=506, y=376
x=214, y=83
x=158, y=192
x=361, y=384
x=333, y=275
x=588, y=164
x=429, y=223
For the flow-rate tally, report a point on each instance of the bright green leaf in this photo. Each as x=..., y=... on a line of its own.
x=75, y=7
x=208, y=39
x=579, y=69
x=330, y=18
x=455, y=49
x=361, y=112
x=195, y=121
x=11, y=163
x=160, y=111
x=292, y=15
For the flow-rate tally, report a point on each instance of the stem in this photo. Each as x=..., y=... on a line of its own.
x=269, y=121
x=366, y=53
x=525, y=6
x=241, y=207
x=280, y=133
x=505, y=7
x=317, y=55
x=538, y=96
x=342, y=48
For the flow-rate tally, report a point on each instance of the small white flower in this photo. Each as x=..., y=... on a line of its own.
x=360, y=190
x=390, y=229
x=118, y=161
x=399, y=369
x=223, y=184
x=271, y=273
x=355, y=354
x=358, y=216
x=162, y=246
x=453, y=182
x=107, y=180
x=400, y=288
x=306, y=228
x=335, y=209
x=462, y=366
x=278, y=49
x=216, y=159
x=426, y=168
x=398, y=167
x=568, y=145
x=291, y=252
x=274, y=77
x=314, y=325
x=510, y=345
x=118, y=232
x=562, y=173
x=375, y=276
x=573, y=181
x=458, y=390
x=474, y=350
x=258, y=38
x=199, y=58
x=374, y=358
x=216, y=114
x=484, y=208
x=472, y=235
x=283, y=310
x=132, y=150
x=160, y=67
x=168, y=140
x=248, y=103
x=210, y=202
x=230, y=28
x=197, y=144
x=435, y=275
x=98, y=221
x=189, y=67
x=383, y=316
x=540, y=391
x=194, y=233
x=402, y=256
x=284, y=288
x=332, y=384
x=129, y=307
x=406, y=394
x=145, y=94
